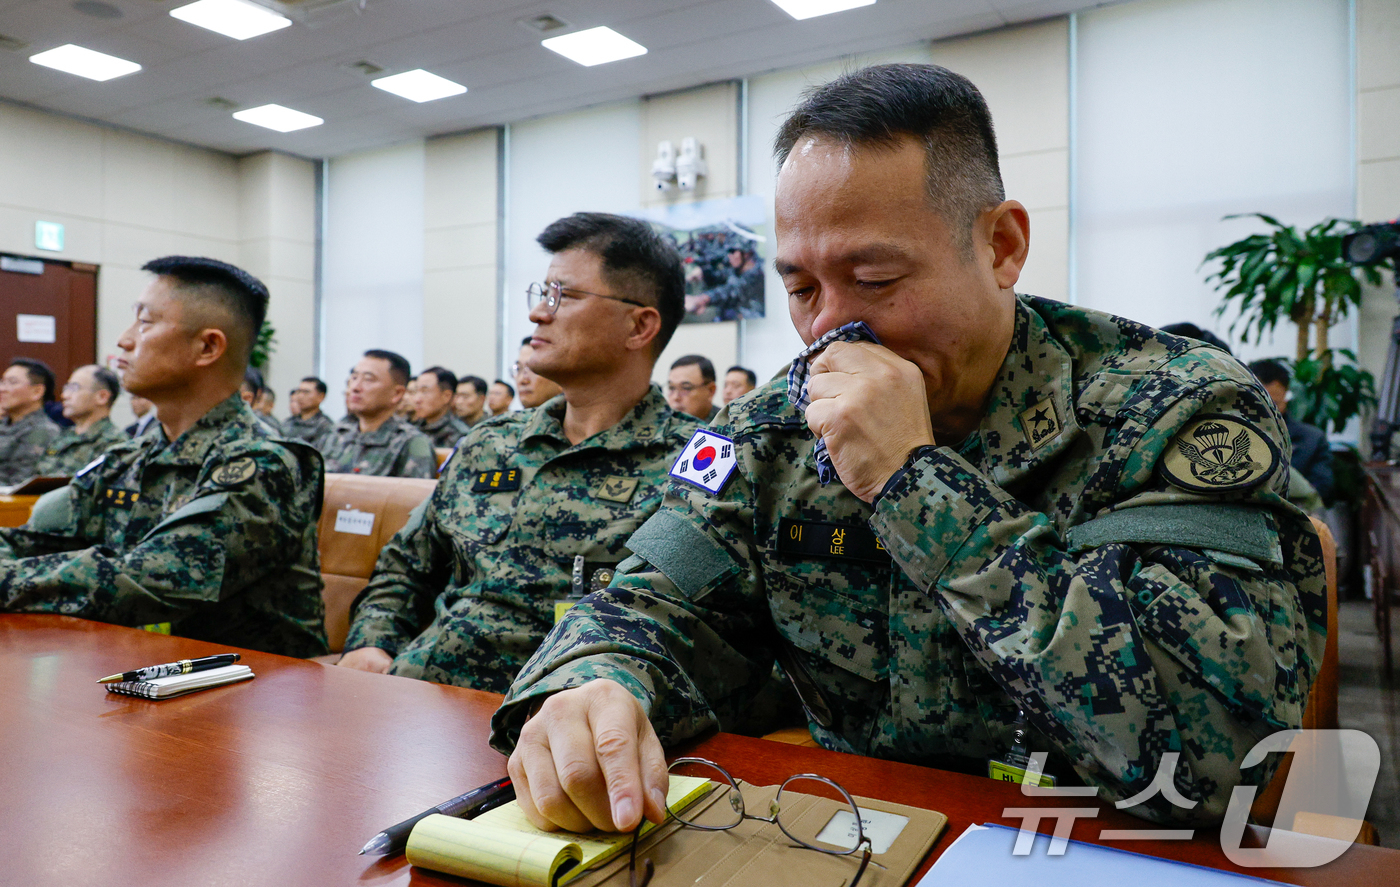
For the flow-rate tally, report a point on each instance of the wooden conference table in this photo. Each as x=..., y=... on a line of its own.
x=280, y=780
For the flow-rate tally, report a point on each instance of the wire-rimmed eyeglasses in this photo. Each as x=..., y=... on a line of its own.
x=552, y=293
x=799, y=784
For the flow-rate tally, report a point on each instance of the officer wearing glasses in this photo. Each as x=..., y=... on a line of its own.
x=535, y=507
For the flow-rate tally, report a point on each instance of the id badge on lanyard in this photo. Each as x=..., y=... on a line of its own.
x=1017, y=765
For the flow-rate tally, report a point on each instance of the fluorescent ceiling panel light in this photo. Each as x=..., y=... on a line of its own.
x=419, y=85
x=232, y=18
x=594, y=46
x=800, y=9
x=278, y=118
x=84, y=62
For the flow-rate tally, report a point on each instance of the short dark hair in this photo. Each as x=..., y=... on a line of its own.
x=748, y=374
x=707, y=369
x=109, y=380
x=39, y=374
x=235, y=290
x=399, y=369
x=509, y=387
x=635, y=259
x=1269, y=371
x=476, y=382
x=319, y=385
x=254, y=380
x=1191, y=331
x=878, y=105
x=446, y=379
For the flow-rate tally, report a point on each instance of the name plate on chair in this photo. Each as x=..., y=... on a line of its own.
x=348, y=520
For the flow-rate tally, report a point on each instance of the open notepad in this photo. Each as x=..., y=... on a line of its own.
x=501, y=846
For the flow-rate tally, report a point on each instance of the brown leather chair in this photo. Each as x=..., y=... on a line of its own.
x=347, y=558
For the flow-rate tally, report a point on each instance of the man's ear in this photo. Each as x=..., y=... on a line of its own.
x=399, y=392
x=646, y=325
x=1007, y=230
x=210, y=345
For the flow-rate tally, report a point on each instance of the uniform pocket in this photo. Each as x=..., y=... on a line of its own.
x=850, y=633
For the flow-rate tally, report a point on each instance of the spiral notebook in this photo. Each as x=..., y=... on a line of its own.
x=180, y=684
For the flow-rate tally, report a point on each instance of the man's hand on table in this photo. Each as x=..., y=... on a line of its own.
x=588, y=759
x=869, y=405
x=367, y=659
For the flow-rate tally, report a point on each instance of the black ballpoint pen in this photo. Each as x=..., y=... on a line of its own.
x=184, y=666
x=474, y=803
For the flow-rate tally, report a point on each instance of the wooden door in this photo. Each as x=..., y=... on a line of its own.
x=64, y=291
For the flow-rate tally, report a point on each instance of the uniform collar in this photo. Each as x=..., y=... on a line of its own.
x=379, y=436
x=440, y=424
x=1029, y=418
x=231, y=417
x=33, y=417
x=643, y=425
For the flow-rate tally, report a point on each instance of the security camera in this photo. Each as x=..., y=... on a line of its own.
x=690, y=166
x=663, y=168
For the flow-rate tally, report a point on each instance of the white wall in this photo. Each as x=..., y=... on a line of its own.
x=1378, y=156
x=1190, y=110
x=372, y=269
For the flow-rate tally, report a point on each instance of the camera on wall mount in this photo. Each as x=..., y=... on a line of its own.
x=663, y=168
x=682, y=170
x=1372, y=243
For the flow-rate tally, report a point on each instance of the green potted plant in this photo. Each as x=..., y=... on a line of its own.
x=1301, y=277
x=263, y=347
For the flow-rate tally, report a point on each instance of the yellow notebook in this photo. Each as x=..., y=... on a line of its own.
x=501, y=846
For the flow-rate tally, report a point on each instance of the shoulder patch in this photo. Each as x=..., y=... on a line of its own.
x=708, y=461
x=235, y=471
x=1217, y=453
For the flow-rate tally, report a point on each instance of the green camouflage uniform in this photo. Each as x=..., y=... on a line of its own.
x=271, y=422
x=214, y=533
x=466, y=591
x=316, y=431
x=394, y=449
x=22, y=445
x=446, y=431
x=1046, y=564
x=71, y=452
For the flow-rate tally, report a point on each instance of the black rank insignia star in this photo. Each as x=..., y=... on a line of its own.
x=234, y=472
x=1040, y=423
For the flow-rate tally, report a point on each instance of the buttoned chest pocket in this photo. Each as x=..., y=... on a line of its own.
x=478, y=518
x=834, y=611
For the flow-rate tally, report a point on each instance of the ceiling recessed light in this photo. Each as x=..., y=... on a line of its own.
x=594, y=46
x=419, y=85
x=800, y=9
x=278, y=118
x=84, y=62
x=232, y=18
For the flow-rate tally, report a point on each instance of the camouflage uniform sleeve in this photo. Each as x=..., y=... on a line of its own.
x=248, y=512
x=694, y=643
x=416, y=459
x=1124, y=650
x=411, y=571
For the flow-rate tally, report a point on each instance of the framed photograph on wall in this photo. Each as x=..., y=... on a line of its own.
x=723, y=244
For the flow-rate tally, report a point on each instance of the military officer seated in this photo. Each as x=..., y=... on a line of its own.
x=373, y=439
x=87, y=403
x=433, y=405
x=206, y=523
x=26, y=431
x=978, y=516
x=307, y=422
x=534, y=508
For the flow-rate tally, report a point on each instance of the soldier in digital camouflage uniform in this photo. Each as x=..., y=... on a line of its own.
x=307, y=422
x=536, y=505
x=1038, y=514
x=87, y=402
x=212, y=533
x=378, y=442
x=436, y=389
x=26, y=431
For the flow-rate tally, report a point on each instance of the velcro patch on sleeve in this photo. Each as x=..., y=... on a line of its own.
x=1235, y=529
x=1216, y=453
x=707, y=461
x=681, y=551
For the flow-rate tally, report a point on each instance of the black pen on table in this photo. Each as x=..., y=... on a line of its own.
x=474, y=803
x=184, y=666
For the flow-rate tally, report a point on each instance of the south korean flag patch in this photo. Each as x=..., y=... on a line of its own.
x=708, y=461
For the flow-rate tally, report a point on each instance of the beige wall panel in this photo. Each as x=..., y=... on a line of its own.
x=203, y=187
x=1039, y=180
x=137, y=180
x=1023, y=73
x=1047, y=267
x=61, y=160
x=461, y=171
x=291, y=309
x=190, y=245
x=707, y=113
x=82, y=236
x=460, y=246
x=1377, y=36
x=459, y=332
x=131, y=247
x=714, y=340
x=1378, y=190
x=293, y=200
x=1378, y=123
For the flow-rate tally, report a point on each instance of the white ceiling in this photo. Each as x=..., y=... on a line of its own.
x=480, y=43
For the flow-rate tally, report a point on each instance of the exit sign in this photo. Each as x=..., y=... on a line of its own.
x=49, y=236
